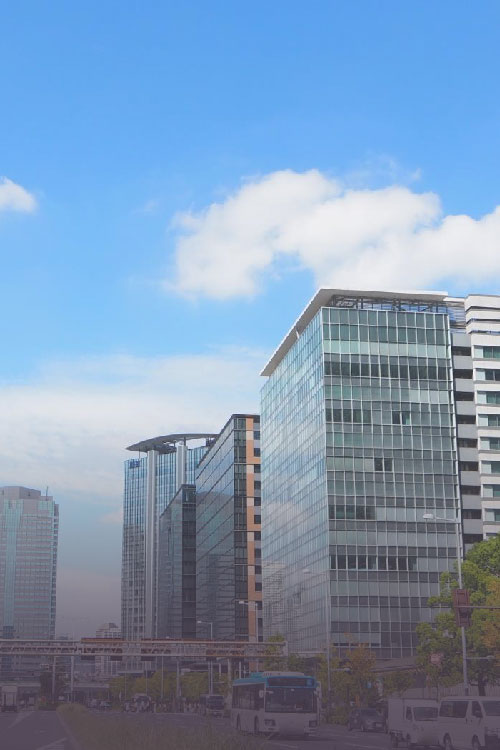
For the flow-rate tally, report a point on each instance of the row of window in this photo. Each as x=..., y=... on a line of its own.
x=372, y=562
x=487, y=352
x=384, y=334
x=397, y=369
x=373, y=313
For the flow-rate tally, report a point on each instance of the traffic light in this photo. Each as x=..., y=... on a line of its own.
x=462, y=608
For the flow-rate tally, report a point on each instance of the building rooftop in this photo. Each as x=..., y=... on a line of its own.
x=323, y=298
x=167, y=443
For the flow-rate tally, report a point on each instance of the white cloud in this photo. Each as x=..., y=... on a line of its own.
x=68, y=427
x=371, y=238
x=14, y=197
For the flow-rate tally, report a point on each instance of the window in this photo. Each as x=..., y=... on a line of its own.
x=463, y=374
x=383, y=464
x=489, y=397
x=466, y=419
x=491, y=490
x=467, y=443
x=468, y=465
x=400, y=417
x=471, y=515
x=490, y=352
x=461, y=351
x=492, y=444
x=493, y=375
x=492, y=515
x=476, y=710
x=464, y=396
x=489, y=420
x=470, y=489
x=491, y=467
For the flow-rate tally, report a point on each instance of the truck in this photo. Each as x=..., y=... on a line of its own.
x=9, y=698
x=412, y=722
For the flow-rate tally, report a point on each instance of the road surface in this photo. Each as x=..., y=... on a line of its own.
x=32, y=730
x=42, y=730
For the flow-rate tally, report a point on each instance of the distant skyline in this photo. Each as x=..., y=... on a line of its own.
x=178, y=180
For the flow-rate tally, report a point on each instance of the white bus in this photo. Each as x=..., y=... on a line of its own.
x=284, y=703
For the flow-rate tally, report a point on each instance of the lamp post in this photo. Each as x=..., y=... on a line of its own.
x=210, y=671
x=327, y=605
x=458, y=524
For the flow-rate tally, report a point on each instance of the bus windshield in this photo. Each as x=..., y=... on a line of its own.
x=290, y=700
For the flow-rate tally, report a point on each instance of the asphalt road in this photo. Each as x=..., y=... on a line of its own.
x=32, y=730
x=328, y=738
x=42, y=730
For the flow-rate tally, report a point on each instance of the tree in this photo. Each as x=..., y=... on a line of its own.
x=360, y=663
x=486, y=555
x=397, y=682
x=273, y=659
x=194, y=684
x=481, y=576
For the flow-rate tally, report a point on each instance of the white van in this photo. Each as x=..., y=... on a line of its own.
x=412, y=722
x=469, y=723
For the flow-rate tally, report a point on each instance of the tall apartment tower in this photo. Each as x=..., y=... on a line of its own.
x=151, y=482
x=228, y=532
x=29, y=528
x=481, y=511
x=370, y=419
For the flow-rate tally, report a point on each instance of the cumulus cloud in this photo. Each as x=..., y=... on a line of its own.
x=371, y=238
x=14, y=197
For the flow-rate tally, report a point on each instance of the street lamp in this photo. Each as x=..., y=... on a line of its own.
x=306, y=571
x=210, y=669
x=458, y=524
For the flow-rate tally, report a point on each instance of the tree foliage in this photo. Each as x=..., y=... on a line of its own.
x=481, y=576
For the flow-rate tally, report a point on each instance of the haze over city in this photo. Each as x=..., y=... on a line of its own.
x=177, y=183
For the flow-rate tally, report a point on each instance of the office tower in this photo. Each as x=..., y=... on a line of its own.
x=151, y=482
x=368, y=423
x=177, y=566
x=29, y=527
x=228, y=530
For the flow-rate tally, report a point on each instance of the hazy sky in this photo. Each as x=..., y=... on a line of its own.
x=178, y=179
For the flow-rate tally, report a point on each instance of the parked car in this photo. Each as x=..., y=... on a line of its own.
x=413, y=722
x=366, y=720
x=469, y=723
x=105, y=706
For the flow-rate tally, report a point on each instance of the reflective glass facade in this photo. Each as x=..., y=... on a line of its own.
x=151, y=482
x=359, y=436
x=29, y=528
x=177, y=567
x=228, y=526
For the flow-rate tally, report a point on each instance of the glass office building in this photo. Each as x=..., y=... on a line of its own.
x=151, y=481
x=360, y=440
x=29, y=528
x=228, y=530
x=177, y=566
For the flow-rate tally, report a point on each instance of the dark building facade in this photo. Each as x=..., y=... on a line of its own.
x=228, y=533
x=177, y=566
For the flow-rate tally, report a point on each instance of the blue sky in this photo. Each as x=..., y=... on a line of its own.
x=191, y=173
